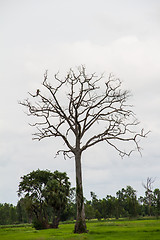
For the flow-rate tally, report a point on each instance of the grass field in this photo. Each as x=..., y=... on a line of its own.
x=109, y=230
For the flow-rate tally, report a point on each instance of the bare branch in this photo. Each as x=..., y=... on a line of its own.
x=89, y=101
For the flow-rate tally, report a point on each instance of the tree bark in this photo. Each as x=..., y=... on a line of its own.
x=80, y=225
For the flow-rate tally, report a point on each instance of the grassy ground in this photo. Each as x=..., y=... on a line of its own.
x=109, y=230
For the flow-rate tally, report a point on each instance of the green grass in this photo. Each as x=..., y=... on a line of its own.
x=109, y=230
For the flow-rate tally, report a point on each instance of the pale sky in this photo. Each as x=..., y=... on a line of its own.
x=122, y=37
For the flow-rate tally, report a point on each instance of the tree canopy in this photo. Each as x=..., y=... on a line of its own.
x=42, y=190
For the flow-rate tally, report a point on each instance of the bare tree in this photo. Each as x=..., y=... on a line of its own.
x=149, y=193
x=83, y=110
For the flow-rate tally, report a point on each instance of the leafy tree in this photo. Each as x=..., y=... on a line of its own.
x=70, y=209
x=128, y=202
x=89, y=210
x=4, y=213
x=104, y=208
x=56, y=192
x=19, y=212
x=43, y=190
x=98, y=215
x=13, y=214
x=8, y=214
x=74, y=117
x=110, y=206
x=116, y=210
x=141, y=207
x=156, y=194
x=95, y=202
x=121, y=202
x=131, y=201
x=32, y=186
x=23, y=215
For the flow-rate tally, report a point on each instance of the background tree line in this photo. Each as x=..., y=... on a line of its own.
x=50, y=201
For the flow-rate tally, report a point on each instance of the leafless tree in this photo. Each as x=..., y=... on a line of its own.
x=149, y=193
x=83, y=110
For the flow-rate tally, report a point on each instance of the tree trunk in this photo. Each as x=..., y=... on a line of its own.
x=80, y=226
x=55, y=222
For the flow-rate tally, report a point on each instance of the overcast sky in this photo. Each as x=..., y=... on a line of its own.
x=122, y=37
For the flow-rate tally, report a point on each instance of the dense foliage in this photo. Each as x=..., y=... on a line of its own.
x=45, y=196
x=124, y=204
